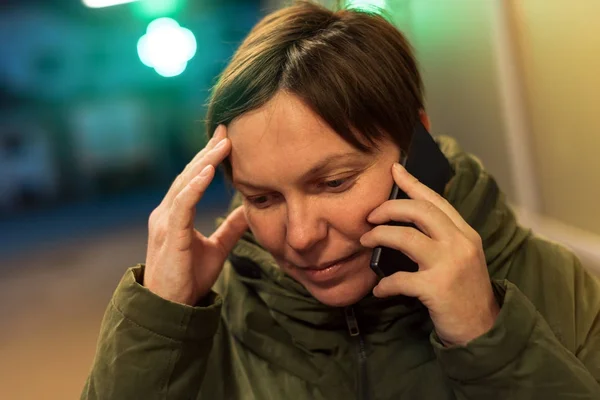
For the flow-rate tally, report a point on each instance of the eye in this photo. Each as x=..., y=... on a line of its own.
x=335, y=183
x=261, y=201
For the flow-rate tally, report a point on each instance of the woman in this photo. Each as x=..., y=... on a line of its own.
x=309, y=119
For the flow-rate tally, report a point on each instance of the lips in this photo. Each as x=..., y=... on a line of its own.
x=331, y=263
x=326, y=274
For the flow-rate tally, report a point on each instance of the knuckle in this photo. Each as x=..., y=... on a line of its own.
x=409, y=235
x=178, y=202
x=429, y=207
x=154, y=217
x=200, y=156
x=442, y=199
x=184, y=172
x=477, y=241
x=180, y=242
x=475, y=237
x=439, y=201
x=176, y=183
x=156, y=232
x=470, y=251
x=182, y=238
x=157, y=237
x=187, y=167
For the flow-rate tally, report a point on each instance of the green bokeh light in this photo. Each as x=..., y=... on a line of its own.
x=375, y=6
x=167, y=47
x=157, y=8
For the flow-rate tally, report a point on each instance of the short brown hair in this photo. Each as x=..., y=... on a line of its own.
x=354, y=69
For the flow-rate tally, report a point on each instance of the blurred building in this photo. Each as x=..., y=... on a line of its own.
x=84, y=120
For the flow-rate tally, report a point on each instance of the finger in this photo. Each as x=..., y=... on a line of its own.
x=230, y=231
x=424, y=214
x=214, y=157
x=401, y=283
x=179, y=181
x=219, y=135
x=410, y=241
x=183, y=208
x=419, y=191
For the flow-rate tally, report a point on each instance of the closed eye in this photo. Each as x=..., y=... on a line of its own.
x=337, y=185
x=262, y=201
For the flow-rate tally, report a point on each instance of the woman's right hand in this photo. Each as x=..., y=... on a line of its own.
x=181, y=264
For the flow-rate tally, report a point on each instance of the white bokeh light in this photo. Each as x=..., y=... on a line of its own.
x=167, y=47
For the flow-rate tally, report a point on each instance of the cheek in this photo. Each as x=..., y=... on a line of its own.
x=267, y=229
x=350, y=219
x=350, y=215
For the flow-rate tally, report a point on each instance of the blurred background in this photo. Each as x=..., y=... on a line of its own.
x=102, y=103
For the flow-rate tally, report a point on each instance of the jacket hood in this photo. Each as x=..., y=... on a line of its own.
x=277, y=317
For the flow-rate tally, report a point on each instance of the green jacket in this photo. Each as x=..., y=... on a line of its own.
x=264, y=337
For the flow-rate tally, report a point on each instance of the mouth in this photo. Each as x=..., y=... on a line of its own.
x=324, y=266
x=327, y=271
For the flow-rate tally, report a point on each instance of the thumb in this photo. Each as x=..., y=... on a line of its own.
x=400, y=283
x=230, y=231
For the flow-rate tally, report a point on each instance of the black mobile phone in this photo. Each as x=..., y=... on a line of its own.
x=425, y=161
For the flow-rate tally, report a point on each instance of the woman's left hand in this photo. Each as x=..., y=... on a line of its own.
x=452, y=280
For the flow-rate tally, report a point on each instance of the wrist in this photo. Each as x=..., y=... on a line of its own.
x=179, y=296
x=480, y=323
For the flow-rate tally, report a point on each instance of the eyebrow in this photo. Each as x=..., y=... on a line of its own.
x=323, y=165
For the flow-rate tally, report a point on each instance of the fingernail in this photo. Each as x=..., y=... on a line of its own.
x=215, y=134
x=220, y=144
x=375, y=290
x=205, y=171
x=398, y=167
x=218, y=133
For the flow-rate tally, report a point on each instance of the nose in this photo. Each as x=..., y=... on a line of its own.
x=305, y=226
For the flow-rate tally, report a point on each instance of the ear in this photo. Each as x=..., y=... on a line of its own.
x=425, y=119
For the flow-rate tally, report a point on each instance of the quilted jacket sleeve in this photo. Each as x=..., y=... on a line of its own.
x=150, y=348
x=546, y=341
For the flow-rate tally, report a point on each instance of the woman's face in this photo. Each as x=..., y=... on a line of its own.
x=307, y=194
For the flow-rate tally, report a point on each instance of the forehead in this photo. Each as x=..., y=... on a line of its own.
x=281, y=139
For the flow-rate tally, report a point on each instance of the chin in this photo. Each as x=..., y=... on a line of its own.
x=346, y=292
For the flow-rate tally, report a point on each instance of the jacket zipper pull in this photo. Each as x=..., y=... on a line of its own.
x=351, y=321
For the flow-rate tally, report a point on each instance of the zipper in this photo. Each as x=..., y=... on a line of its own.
x=362, y=384
x=352, y=322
